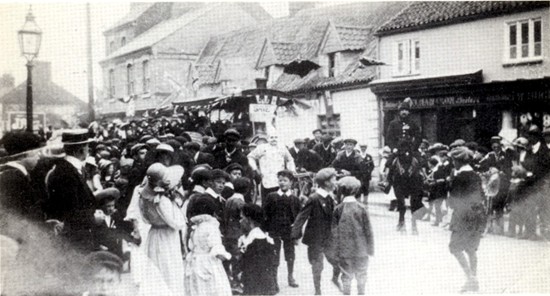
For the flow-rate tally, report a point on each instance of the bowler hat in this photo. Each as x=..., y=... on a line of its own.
x=107, y=195
x=75, y=137
x=496, y=139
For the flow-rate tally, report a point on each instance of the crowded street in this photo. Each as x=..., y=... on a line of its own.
x=281, y=148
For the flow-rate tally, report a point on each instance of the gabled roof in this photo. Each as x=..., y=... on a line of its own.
x=160, y=31
x=353, y=38
x=286, y=52
x=47, y=93
x=420, y=15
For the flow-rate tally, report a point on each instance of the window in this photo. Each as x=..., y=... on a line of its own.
x=111, y=46
x=130, y=79
x=407, y=58
x=123, y=41
x=523, y=40
x=266, y=73
x=112, y=83
x=331, y=64
x=330, y=126
x=146, y=78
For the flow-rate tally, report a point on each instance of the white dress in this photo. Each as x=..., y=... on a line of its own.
x=204, y=272
x=163, y=245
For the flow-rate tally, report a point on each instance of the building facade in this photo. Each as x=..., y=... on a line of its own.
x=152, y=51
x=472, y=69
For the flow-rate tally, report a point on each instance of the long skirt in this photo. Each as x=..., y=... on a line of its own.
x=164, y=249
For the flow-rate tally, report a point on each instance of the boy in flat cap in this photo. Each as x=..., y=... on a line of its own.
x=103, y=271
x=318, y=212
x=352, y=240
x=348, y=162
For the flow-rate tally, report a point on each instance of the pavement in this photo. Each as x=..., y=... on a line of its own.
x=422, y=264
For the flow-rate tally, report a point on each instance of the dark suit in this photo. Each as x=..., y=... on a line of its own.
x=222, y=159
x=72, y=202
x=258, y=269
x=204, y=157
x=318, y=213
x=399, y=129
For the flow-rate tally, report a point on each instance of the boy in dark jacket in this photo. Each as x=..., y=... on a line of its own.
x=281, y=209
x=352, y=239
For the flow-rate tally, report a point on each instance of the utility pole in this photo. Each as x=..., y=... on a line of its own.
x=90, y=72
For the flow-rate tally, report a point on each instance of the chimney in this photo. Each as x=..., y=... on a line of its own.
x=295, y=7
x=42, y=72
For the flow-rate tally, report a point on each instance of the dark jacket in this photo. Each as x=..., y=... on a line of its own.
x=352, y=231
x=318, y=214
x=258, y=268
x=466, y=200
x=327, y=155
x=222, y=159
x=72, y=202
x=17, y=194
x=232, y=217
x=280, y=213
x=308, y=160
x=352, y=163
x=204, y=158
x=399, y=129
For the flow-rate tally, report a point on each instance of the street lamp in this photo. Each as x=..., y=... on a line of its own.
x=29, y=41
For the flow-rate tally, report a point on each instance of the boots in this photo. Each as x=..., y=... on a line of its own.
x=317, y=283
x=336, y=278
x=291, y=280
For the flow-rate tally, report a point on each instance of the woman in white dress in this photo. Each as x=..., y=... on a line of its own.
x=163, y=211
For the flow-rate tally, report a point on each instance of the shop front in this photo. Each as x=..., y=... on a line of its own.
x=461, y=106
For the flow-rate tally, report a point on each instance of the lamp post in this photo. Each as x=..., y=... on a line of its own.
x=30, y=37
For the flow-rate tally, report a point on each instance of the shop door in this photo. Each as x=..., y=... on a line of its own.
x=488, y=124
x=455, y=123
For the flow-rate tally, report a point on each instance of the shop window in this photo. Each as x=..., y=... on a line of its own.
x=130, y=79
x=112, y=83
x=407, y=58
x=146, y=77
x=524, y=41
x=330, y=125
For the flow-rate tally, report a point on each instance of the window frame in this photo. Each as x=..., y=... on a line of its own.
x=519, y=45
x=335, y=131
x=112, y=89
x=408, y=65
x=146, y=83
x=331, y=64
x=130, y=87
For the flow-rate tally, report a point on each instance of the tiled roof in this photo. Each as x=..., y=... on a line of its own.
x=428, y=14
x=353, y=38
x=160, y=31
x=286, y=52
x=47, y=93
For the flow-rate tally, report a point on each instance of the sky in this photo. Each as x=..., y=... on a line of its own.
x=63, y=28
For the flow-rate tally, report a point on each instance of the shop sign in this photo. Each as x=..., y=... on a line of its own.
x=262, y=112
x=18, y=120
x=426, y=103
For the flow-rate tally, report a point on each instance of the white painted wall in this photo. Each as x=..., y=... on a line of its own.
x=468, y=47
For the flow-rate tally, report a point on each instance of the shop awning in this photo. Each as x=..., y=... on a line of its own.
x=408, y=87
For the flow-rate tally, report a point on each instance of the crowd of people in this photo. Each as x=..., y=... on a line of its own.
x=210, y=216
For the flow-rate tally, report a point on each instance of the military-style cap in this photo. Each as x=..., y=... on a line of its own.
x=496, y=139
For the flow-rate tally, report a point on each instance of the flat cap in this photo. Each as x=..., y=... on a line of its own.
x=324, y=175
x=299, y=141
x=349, y=183
x=165, y=147
x=217, y=174
x=145, y=138
x=350, y=140
x=138, y=147
x=192, y=146
x=457, y=143
x=232, y=134
x=105, y=259
x=233, y=166
x=326, y=138
x=461, y=153
x=317, y=130
x=153, y=141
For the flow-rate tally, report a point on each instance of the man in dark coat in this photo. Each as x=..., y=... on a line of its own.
x=198, y=156
x=230, y=152
x=325, y=150
x=403, y=127
x=71, y=201
x=318, y=212
x=317, y=134
x=366, y=172
x=348, y=162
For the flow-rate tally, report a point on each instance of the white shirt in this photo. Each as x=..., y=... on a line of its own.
x=77, y=163
x=322, y=192
x=272, y=159
x=287, y=193
x=255, y=233
x=212, y=193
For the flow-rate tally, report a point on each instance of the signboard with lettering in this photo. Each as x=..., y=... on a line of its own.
x=18, y=121
x=426, y=103
x=262, y=112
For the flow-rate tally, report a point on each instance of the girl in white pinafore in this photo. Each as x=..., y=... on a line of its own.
x=163, y=211
x=204, y=273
